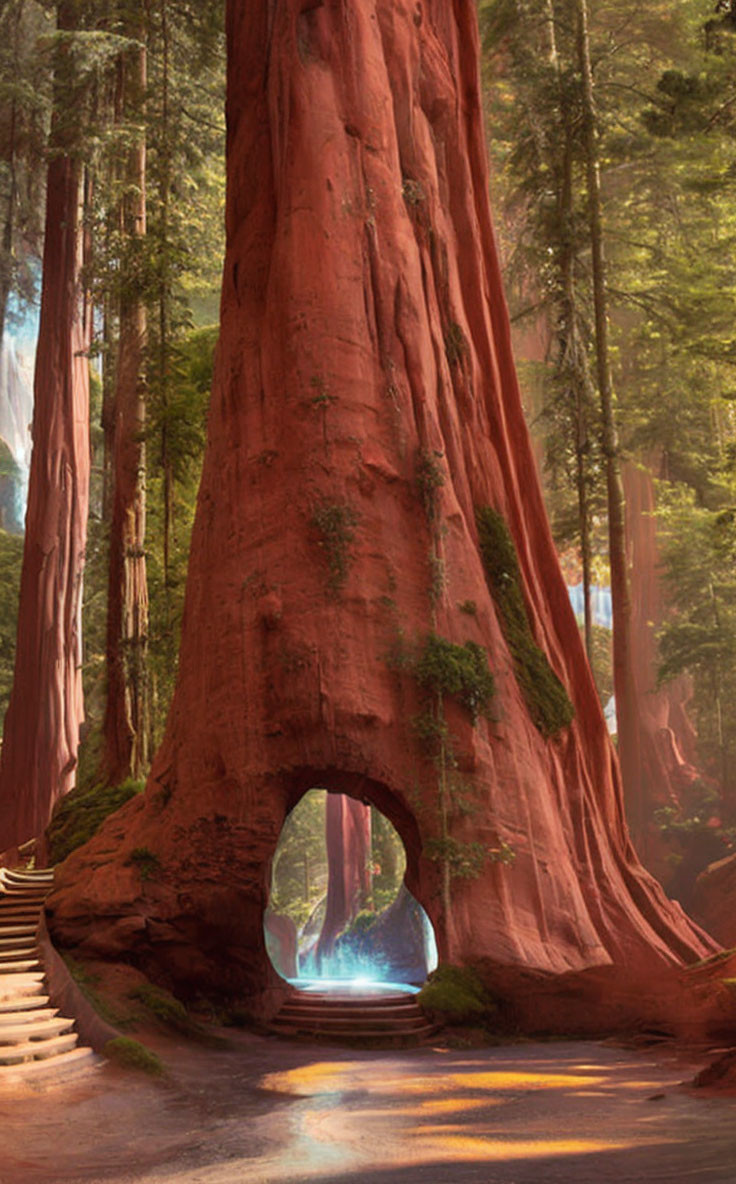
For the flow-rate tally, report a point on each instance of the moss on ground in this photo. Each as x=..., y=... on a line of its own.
x=547, y=700
x=131, y=1054
x=80, y=814
x=170, y=1012
x=457, y=994
x=89, y=984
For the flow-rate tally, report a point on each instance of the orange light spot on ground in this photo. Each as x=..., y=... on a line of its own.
x=307, y=1078
x=453, y=1105
x=458, y=1147
x=507, y=1080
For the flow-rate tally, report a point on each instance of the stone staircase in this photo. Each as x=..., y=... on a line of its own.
x=370, y=1020
x=35, y=1041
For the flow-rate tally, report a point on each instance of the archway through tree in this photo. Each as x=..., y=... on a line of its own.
x=339, y=909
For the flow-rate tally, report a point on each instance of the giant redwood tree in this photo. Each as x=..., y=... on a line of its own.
x=374, y=602
x=41, y=732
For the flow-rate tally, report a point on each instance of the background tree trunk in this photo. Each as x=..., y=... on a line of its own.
x=348, y=841
x=629, y=739
x=125, y=726
x=41, y=734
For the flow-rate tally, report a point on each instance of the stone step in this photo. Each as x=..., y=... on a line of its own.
x=21, y=966
x=32, y=895
x=332, y=1023
x=349, y=1011
x=395, y=1037
x=386, y=1021
x=15, y=916
x=16, y=953
x=42, y=1029
x=16, y=930
x=20, y=985
x=334, y=999
x=29, y=875
x=54, y=1068
x=25, y=1014
x=37, y=1049
x=18, y=1003
x=13, y=943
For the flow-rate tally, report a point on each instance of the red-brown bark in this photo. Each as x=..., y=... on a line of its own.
x=41, y=733
x=363, y=329
x=348, y=844
x=666, y=734
x=125, y=727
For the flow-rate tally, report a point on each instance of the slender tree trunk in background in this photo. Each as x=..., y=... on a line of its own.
x=41, y=734
x=6, y=270
x=163, y=304
x=348, y=839
x=628, y=726
x=576, y=366
x=126, y=730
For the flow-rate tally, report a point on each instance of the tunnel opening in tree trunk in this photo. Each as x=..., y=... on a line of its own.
x=339, y=911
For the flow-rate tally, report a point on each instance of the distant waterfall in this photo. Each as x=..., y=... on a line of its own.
x=17, y=357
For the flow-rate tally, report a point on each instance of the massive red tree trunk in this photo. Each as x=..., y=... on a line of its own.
x=364, y=410
x=125, y=726
x=46, y=709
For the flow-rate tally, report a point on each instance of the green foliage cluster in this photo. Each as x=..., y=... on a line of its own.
x=11, y=557
x=430, y=477
x=79, y=815
x=145, y=860
x=335, y=523
x=10, y=519
x=163, y=1005
x=299, y=869
x=464, y=861
x=89, y=982
x=548, y=702
x=131, y=1054
x=170, y=1012
x=457, y=994
x=445, y=668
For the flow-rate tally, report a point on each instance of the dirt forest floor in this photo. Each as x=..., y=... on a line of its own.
x=263, y=1111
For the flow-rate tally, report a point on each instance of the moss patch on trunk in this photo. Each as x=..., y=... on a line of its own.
x=547, y=700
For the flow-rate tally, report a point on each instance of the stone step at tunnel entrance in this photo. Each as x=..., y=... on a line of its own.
x=340, y=918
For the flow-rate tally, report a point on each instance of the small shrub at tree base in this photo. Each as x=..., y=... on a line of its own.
x=79, y=815
x=131, y=1054
x=163, y=1006
x=146, y=861
x=547, y=700
x=457, y=994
